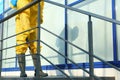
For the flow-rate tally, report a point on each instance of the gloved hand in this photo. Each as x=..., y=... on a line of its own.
x=13, y=3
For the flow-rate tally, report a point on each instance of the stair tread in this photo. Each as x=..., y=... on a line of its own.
x=54, y=78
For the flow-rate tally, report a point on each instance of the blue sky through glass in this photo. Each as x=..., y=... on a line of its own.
x=1, y=6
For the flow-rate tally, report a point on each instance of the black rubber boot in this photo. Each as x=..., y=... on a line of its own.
x=22, y=64
x=42, y=74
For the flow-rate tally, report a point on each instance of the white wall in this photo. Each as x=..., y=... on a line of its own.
x=102, y=31
x=118, y=26
x=53, y=21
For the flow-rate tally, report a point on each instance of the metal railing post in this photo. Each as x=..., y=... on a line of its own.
x=1, y=46
x=90, y=43
x=66, y=34
x=38, y=43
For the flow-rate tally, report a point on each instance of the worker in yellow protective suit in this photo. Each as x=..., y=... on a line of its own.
x=24, y=21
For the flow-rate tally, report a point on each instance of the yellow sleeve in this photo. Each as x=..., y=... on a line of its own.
x=41, y=10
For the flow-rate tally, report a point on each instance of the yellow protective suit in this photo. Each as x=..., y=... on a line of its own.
x=24, y=21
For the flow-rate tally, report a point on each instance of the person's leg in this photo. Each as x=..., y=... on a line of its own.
x=33, y=51
x=22, y=24
x=33, y=36
x=22, y=64
x=41, y=73
x=21, y=49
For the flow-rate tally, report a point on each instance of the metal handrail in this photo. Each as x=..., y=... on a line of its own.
x=64, y=6
x=71, y=8
x=56, y=67
x=46, y=60
x=81, y=49
x=69, y=59
x=18, y=11
x=84, y=12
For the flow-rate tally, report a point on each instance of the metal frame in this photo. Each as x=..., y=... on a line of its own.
x=66, y=33
x=1, y=42
x=1, y=46
x=115, y=46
